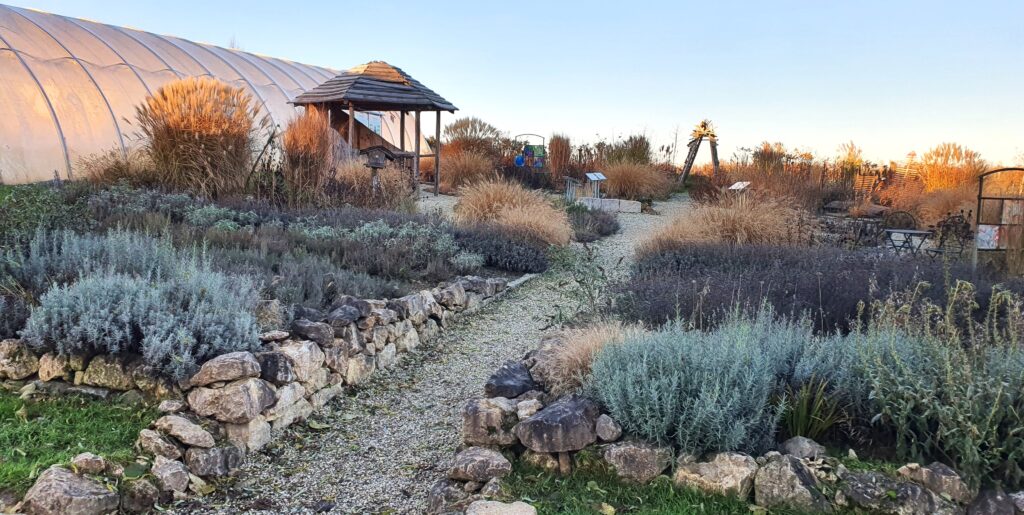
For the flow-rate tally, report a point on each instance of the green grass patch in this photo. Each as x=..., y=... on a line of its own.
x=594, y=490
x=37, y=434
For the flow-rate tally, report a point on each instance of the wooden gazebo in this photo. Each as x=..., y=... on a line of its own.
x=379, y=86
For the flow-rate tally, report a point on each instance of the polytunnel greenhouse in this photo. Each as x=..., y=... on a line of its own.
x=69, y=87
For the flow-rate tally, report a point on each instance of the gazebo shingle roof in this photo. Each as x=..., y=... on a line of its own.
x=376, y=86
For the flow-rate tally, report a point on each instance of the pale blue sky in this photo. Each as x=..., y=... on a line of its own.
x=893, y=76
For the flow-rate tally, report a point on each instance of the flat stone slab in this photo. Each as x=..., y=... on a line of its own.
x=613, y=205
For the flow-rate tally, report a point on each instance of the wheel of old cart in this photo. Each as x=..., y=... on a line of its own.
x=899, y=220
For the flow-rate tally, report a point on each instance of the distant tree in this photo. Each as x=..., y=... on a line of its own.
x=470, y=129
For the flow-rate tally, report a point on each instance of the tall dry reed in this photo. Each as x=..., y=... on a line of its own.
x=353, y=184
x=559, y=155
x=199, y=133
x=524, y=212
x=735, y=219
x=636, y=181
x=309, y=158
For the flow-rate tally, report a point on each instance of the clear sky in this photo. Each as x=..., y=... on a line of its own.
x=893, y=76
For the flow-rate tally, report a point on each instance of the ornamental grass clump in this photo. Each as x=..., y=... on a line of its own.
x=572, y=358
x=199, y=134
x=309, y=158
x=736, y=220
x=459, y=169
x=517, y=210
x=636, y=181
x=353, y=185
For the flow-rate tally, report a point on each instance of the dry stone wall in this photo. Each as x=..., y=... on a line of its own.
x=238, y=402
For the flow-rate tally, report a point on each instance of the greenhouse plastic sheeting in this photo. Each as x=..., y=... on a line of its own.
x=69, y=88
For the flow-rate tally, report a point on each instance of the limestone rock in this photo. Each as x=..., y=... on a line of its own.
x=879, y=493
x=489, y=422
x=452, y=297
x=111, y=372
x=58, y=491
x=226, y=368
x=803, y=448
x=213, y=462
x=274, y=336
x=638, y=461
x=480, y=465
x=528, y=408
x=251, y=436
x=500, y=508
x=608, y=430
x=940, y=479
x=54, y=366
x=154, y=443
x=784, y=481
x=491, y=489
x=318, y=332
x=88, y=463
x=992, y=502
x=509, y=381
x=16, y=360
x=299, y=411
x=171, y=406
x=416, y=307
x=306, y=357
x=387, y=357
x=361, y=306
x=237, y=403
x=445, y=495
x=171, y=475
x=342, y=317
x=567, y=425
x=284, y=397
x=541, y=460
x=184, y=430
x=727, y=473
x=336, y=359
x=276, y=367
x=407, y=339
x=138, y=496
x=1018, y=500
x=360, y=368
x=325, y=395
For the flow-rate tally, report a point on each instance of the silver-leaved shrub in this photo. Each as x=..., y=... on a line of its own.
x=175, y=320
x=702, y=391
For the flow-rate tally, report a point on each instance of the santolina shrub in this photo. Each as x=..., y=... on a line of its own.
x=175, y=322
x=927, y=377
x=702, y=391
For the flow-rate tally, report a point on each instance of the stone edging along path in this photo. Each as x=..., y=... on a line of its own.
x=383, y=446
x=236, y=403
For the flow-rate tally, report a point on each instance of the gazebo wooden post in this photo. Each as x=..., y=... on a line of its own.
x=351, y=126
x=437, y=156
x=401, y=131
x=416, y=158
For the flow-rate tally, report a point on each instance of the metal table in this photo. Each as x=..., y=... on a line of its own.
x=906, y=240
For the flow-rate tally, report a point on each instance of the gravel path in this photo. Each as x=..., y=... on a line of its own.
x=381, y=447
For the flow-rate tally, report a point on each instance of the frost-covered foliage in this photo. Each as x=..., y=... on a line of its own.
x=175, y=320
x=703, y=391
x=501, y=249
x=929, y=379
